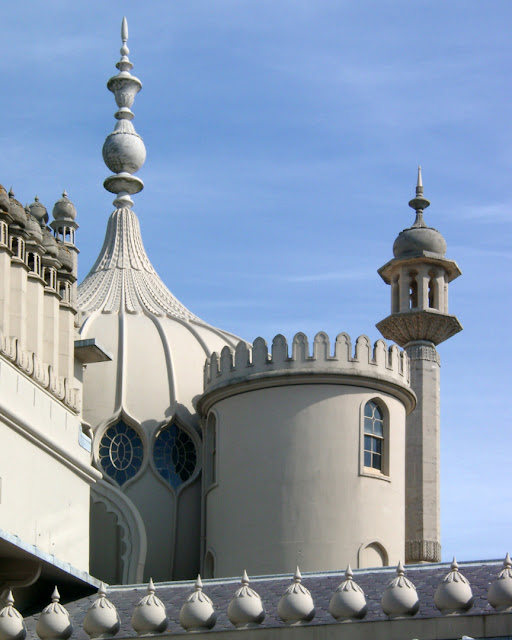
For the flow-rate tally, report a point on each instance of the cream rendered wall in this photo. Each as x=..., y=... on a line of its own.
x=289, y=489
x=45, y=472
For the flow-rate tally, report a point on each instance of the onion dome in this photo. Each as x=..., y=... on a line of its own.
x=38, y=210
x=101, y=619
x=246, y=609
x=64, y=209
x=197, y=613
x=49, y=243
x=296, y=605
x=454, y=594
x=17, y=211
x=4, y=200
x=12, y=626
x=400, y=598
x=500, y=591
x=65, y=257
x=54, y=622
x=419, y=238
x=149, y=615
x=33, y=227
x=125, y=305
x=348, y=601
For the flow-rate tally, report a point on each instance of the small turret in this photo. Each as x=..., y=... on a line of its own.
x=419, y=275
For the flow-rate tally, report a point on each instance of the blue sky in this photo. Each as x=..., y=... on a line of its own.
x=283, y=138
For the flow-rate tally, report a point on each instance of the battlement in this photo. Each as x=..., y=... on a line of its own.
x=389, y=364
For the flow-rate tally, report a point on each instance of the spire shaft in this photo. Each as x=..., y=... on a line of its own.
x=124, y=152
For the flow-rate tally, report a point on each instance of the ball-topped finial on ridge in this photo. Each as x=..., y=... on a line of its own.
x=124, y=152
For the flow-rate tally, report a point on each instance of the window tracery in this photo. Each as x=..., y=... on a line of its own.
x=175, y=455
x=373, y=436
x=121, y=452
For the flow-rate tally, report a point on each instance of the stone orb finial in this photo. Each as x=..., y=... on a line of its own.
x=123, y=149
x=296, y=605
x=149, y=615
x=348, y=601
x=246, y=608
x=64, y=209
x=101, y=619
x=54, y=622
x=400, y=598
x=454, y=594
x=38, y=210
x=12, y=626
x=197, y=613
x=500, y=591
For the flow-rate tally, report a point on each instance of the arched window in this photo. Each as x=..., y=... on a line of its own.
x=175, y=455
x=413, y=292
x=209, y=565
x=373, y=436
x=120, y=452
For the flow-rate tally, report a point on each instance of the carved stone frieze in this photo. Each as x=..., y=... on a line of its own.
x=422, y=551
x=423, y=352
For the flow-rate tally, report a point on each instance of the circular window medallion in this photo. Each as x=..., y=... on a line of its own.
x=121, y=452
x=175, y=455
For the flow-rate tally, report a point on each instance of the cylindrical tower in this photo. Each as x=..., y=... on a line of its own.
x=304, y=456
x=419, y=275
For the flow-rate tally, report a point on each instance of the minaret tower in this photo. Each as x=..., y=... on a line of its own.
x=419, y=275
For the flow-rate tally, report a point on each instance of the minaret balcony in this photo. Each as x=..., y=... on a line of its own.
x=417, y=324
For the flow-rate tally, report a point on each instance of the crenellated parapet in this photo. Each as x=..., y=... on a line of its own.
x=302, y=360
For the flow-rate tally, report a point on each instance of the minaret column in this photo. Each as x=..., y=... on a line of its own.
x=421, y=323
x=422, y=486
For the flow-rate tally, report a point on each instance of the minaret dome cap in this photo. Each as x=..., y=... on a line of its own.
x=419, y=238
x=64, y=209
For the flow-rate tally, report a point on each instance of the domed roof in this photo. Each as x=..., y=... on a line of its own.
x=17, y=211
x=417, y=239
x=38, y=210
x=159, y=347
x=49, y=243
x=64, y=209
x=33, y=228
x=4, y=199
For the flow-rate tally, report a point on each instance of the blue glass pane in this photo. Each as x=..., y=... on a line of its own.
x=377, y=462
x=378, y=428
x=377, y=445
x=377, y=413
x=121, y=452
x=368, y=409
x=368, y=443
x=175, y=455
x=367, y=459
x=368, y=425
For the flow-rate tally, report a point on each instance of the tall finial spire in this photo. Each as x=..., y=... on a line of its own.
x=123, y=151
x=419, y=203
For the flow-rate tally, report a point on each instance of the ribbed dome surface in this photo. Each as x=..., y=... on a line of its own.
x=158, y=346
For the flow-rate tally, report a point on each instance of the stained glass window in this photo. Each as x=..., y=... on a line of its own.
x=175, y=455
x=373, y=435
x=121, y=452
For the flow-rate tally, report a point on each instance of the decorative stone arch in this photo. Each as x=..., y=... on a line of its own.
x=196, y=439
x=372, y=554
x=133, y=532
x=210, y=560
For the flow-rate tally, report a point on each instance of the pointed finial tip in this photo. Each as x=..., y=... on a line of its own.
x=124, y=29
x=199, y=583
x=9, y=599
x=245, y=577
x=454, y=565
x=400, y=568
x=102, y=591
x=507, y=561
x=297, y=576
x=64, y=194
x=349, y=573
x=420, y=182
x=151, y=586
x=55, y=595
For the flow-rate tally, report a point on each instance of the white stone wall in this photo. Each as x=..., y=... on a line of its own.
x=45, y=470
x=290, y=484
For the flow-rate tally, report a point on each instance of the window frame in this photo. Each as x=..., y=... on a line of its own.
x=371, y=472
x=211, y=451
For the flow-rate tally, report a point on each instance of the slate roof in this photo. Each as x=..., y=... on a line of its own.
x=426, y=578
